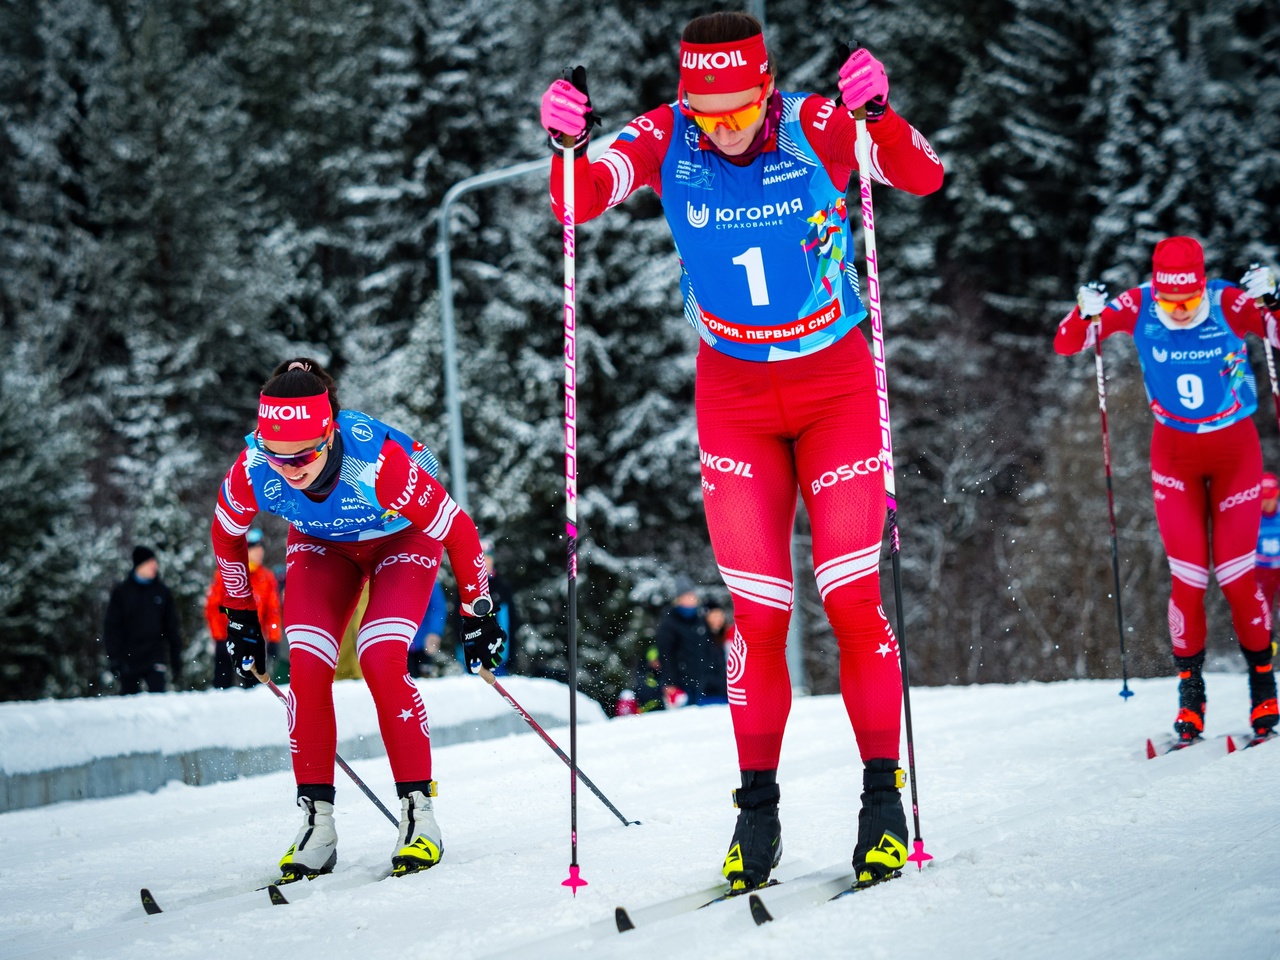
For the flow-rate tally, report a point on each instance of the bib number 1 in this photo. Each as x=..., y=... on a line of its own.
x=753, y=262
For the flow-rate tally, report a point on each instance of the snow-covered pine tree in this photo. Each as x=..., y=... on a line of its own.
x=1015, y=160
x=56, y=556
x=187, y=288
x=53, y=560
x=635, y=370
x=1174, y=120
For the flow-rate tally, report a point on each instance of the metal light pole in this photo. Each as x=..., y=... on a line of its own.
x=457, y=458
x=457, y=462
x=444, y=250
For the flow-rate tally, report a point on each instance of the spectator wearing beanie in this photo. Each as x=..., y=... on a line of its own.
x=141, y=631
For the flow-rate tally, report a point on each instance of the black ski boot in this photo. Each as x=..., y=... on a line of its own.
x=1262, y=691
x=1191, y=698
x=882, y=825
x=756, y=846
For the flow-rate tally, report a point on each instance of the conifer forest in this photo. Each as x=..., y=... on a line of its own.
x=194, y=190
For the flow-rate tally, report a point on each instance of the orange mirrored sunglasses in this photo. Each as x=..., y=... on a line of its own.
x=738, y=119
x=1191, y=303
x=299, y=459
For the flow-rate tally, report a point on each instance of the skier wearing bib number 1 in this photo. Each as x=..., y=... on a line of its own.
x=1206, y=462
x=753, y=183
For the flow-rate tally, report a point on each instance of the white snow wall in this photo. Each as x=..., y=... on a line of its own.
x=55, y=750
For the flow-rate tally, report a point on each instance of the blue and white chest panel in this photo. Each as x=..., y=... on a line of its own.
x=351, y=511
x=1199, y=379
x=766, y=250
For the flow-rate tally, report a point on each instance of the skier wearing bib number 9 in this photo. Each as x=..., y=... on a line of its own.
x=1206, y=462
x=753, y=180
x=364, y=505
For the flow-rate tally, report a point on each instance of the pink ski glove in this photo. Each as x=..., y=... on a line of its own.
x=863, y=83
x=564, y=110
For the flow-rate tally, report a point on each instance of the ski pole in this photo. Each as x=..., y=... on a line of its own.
x=571, y=497
x=490, y=679
x=1265, y=309
x=1125, y=692
x=862, y=146
x=271, y=685
x=1271, y=371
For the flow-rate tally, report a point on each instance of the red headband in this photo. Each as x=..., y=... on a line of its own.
x=1177, y=266
x=288, y=419
x=1270, y=486
x=724, y=67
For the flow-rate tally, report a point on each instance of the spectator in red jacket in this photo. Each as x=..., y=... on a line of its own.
x=266, y=594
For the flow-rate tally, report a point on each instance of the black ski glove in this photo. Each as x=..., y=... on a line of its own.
x=483, y=642
x=578, y=77
x=245, y=642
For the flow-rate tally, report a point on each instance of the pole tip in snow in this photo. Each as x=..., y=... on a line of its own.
x=1231, y=744
x=1126, y=692
x=575, y=880
x=918, y=856
x=1151, y=749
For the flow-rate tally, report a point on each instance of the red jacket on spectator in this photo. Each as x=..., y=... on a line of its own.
x=266, y=594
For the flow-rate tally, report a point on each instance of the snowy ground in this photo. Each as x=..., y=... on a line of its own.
x=1054, y=837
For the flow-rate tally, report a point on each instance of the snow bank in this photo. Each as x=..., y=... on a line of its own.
x=53, y=750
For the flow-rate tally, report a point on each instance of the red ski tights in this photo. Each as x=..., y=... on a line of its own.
x=323, y=586
x=763, y=429
x=1206, y=488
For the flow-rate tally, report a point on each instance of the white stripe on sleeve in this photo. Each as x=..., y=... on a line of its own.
x=624, y=175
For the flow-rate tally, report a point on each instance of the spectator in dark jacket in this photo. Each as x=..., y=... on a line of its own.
x=143, y=639
x=684, y=648
x=715, y=688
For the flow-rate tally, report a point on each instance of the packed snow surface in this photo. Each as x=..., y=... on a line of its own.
x=1053, y=837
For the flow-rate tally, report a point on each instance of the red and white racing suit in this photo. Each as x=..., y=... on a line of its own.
x=1206, y=487
x=796, y=413
x=325, y=577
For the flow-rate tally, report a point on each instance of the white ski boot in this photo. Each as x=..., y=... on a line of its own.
x=315, y=849
x=419, y=844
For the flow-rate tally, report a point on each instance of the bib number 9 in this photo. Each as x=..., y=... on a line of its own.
x=1191, y=390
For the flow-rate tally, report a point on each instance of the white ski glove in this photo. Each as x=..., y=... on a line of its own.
x=1092, y=299
x=1259, y=282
